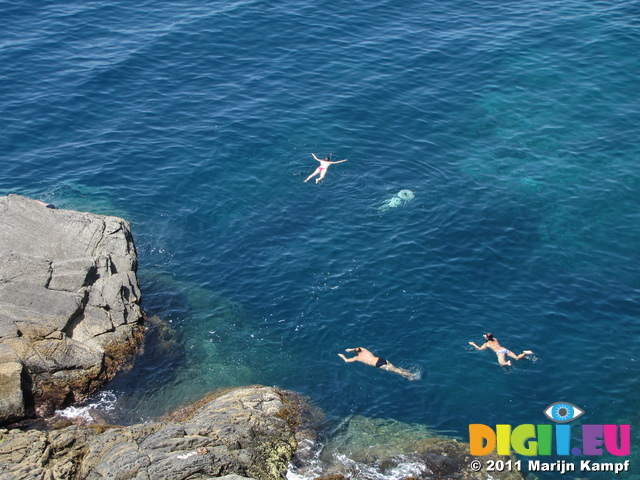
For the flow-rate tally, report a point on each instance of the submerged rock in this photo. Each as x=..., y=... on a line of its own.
x=365, y=448
x=247, y=432
x=69, y=305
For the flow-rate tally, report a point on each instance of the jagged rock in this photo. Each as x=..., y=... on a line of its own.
x=248, y=431
x=69, y=303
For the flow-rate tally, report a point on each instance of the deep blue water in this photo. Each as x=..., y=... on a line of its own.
x=516, y=125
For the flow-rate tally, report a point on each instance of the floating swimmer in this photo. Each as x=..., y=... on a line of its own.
x=400, y=199
x=324, y=166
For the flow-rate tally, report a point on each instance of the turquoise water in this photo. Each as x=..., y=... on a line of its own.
x=515, y=124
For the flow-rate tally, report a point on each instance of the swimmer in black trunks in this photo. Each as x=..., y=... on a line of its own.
x=48, y=205
x=365, y=356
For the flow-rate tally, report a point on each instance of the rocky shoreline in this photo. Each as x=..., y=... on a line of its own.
x=70, y=313
x=248, y=431
x=245, y=433
x=70, y=318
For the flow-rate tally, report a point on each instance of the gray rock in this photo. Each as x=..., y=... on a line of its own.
x=11, y=402
x=69, y=302
x=245, y=433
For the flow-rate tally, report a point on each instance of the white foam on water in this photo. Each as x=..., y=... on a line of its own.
x=405, y=468
x=357, y=471
x=102, y=402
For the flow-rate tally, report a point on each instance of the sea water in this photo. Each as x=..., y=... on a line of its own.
x=515, y=125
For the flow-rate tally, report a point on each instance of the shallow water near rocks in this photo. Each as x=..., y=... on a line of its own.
x=515, y=125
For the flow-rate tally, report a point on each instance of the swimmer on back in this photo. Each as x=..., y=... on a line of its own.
x=322, y=169
x=501, y=352
x=365, y=356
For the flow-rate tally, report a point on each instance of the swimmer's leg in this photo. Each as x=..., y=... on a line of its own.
x=502, y=359
x=522, y=355
x=400, y=371
x=322, y=174
x=313, y=175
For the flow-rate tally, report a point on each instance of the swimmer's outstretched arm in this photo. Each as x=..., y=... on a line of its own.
x=314, y=156
x=340, y=161
x=348, y=360
x=477, y=347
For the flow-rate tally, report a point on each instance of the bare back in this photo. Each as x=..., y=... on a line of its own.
x=365, y=356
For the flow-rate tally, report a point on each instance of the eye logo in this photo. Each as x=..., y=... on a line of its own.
x=563, y=412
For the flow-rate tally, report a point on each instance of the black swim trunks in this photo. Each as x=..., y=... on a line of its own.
x=381, y=362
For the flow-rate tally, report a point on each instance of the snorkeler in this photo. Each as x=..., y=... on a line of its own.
x=501, y=352
x=365, y=356
x=322, y=169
